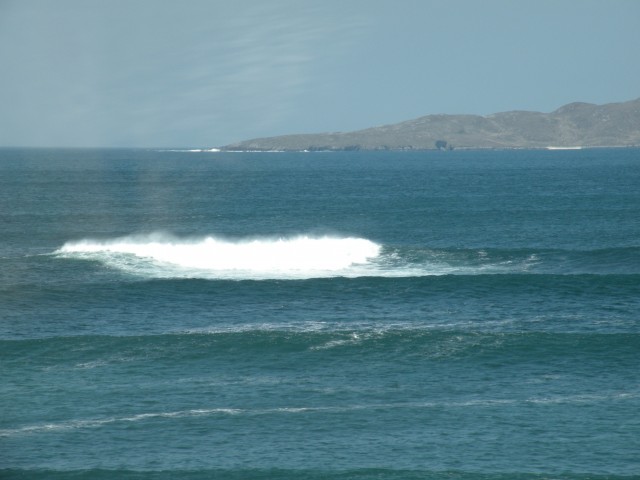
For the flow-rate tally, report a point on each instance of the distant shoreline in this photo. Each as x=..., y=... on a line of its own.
x=550, y=148
x=221, y=150
x=571, y=127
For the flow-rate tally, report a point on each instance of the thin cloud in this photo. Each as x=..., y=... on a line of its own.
x=128, y=75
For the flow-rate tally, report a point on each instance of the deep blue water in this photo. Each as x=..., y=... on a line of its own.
x=363, y=315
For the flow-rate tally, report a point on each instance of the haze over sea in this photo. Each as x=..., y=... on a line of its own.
x=350, y=315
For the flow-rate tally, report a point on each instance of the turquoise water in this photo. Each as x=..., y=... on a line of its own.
x=357, y=315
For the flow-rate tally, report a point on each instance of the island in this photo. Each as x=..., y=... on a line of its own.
x=576, y=125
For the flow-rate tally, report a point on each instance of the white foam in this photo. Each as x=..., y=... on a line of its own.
x=95, y=423
x=231, y=411
x=158, y=255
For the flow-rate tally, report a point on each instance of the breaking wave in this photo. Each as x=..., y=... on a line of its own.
x=158, y=255
x=303, y=257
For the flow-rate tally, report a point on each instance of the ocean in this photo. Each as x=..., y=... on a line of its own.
x=326, y=315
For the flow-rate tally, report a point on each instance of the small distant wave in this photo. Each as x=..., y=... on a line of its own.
x=192, y=150
x=373, y=343
x=95, y=423
x=80, y=424
x=293, y=474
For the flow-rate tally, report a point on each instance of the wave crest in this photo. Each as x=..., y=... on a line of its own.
x=211, y=257
x=304, y=257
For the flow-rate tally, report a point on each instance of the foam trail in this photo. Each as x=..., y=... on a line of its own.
x=211, y=257
x=301, y=257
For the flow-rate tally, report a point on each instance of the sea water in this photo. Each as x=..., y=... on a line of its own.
x=353, y=315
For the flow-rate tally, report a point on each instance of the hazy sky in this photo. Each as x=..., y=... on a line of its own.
x=159, y=73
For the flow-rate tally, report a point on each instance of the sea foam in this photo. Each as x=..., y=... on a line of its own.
x=159, y=255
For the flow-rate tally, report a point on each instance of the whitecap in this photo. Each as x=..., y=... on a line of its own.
x=163, y=256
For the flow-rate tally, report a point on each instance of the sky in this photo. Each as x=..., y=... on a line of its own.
x=206, y=73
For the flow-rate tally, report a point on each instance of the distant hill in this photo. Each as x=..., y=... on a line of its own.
x=573, y=125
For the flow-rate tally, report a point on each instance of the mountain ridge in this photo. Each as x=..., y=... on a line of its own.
x=576, y=124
